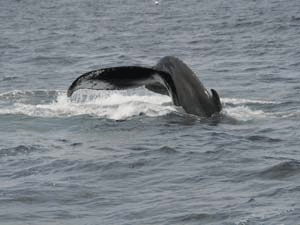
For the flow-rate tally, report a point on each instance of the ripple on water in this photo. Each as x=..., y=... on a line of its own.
x=20, y=150
x=263, y=139
x=282, y=170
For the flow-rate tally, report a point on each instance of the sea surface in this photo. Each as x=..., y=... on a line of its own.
x=131, y=157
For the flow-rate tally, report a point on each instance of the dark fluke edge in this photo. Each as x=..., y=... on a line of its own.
x=170, y=77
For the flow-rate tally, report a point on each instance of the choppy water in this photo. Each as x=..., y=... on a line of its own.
x=131, y=157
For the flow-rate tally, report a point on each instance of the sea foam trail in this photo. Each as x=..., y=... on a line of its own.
x=112, y=105
x=244, y=113
x=239, y=101
x=117, y=105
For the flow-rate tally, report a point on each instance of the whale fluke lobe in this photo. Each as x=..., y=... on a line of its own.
x=125, y=77
x=170, y=77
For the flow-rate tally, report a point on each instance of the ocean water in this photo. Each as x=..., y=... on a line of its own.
x=132, y=157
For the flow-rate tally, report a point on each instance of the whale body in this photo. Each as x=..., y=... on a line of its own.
x=170, y=76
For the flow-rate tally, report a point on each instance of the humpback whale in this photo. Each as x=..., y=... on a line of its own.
x=170, y=76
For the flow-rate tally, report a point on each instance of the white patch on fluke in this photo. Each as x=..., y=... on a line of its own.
x=96, y=85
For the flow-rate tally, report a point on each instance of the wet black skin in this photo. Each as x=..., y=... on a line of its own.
x=170, y=77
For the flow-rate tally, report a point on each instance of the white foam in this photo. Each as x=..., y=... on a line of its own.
x=239, y=101
x=243, y=113
x=295, y=114
x=237, y=108
x=118, y=105
x=112, y=105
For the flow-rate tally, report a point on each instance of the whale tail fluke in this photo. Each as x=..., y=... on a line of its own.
x=126, y=77
x=157, y=88
x=170, y=76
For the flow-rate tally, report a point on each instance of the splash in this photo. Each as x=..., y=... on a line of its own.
x=238, y=101
x=244, y=113
x=239, y=109
x=120, y=105
x=104, y=104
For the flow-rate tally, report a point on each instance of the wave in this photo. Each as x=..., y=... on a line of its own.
x=20, y=149
x=283, y=170
x=120, y=105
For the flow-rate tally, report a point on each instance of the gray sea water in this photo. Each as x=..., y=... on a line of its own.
x=131, y=157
